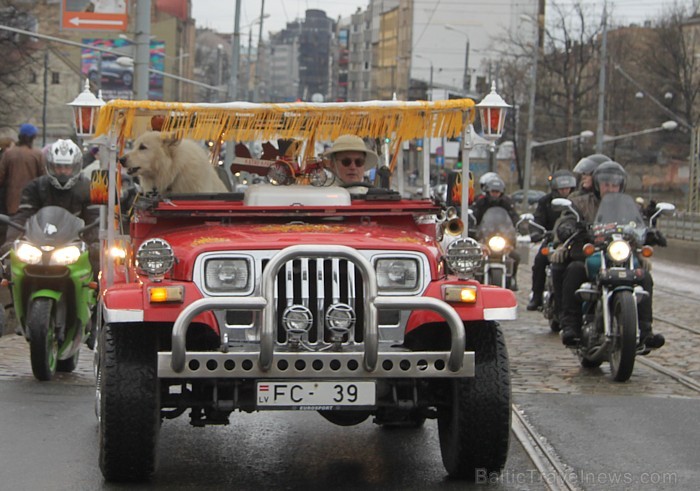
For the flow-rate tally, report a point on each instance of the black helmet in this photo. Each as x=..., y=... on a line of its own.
x=599, y=158
x=609, y=172
x=562, y=179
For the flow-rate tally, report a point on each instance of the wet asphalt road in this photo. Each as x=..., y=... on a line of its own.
x=639, y=435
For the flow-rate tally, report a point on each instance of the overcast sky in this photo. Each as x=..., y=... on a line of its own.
x=219, y=14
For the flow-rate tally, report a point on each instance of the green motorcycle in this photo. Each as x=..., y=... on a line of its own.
x=53, y=289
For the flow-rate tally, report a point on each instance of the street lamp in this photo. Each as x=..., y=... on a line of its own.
x=492, y=111
x=85, y=109
x=665, y=126
x=584, y=135
x=466, y=82
x=427, y=148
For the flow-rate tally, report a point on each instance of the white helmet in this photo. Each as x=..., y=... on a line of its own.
x=484, y=179
x=62, y=156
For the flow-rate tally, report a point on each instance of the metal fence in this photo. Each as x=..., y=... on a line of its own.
x=683, y=225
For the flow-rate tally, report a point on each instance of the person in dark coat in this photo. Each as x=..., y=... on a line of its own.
x=561, y=184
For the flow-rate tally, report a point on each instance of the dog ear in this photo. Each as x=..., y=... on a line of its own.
x=170, y=142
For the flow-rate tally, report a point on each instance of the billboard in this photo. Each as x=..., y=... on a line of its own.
x=95, y=15
x=114, y=73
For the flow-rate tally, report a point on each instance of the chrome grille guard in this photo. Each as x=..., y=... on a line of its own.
x=372, y=302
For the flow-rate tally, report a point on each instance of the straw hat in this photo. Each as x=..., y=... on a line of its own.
x=352, y=143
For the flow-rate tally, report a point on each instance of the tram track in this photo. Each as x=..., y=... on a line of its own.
x=553, y=472
x=676, y=293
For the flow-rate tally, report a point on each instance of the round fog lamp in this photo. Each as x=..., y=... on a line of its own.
x=297, y=319
x=340, y=318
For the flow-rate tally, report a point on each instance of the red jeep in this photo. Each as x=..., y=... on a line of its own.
x=299, y=298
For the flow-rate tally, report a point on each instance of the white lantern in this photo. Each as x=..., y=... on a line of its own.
x=492, y=111
x=85, y=110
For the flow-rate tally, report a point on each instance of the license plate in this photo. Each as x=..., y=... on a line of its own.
x=315, y=396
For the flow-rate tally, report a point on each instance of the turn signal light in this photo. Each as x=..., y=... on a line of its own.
x=545, y=251
x=459, y=293
x=163, y=294
x=647, y=251
x=588, y=249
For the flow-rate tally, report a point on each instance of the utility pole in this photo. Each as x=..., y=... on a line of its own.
x=142, y=56
x=531, y=106
x=601, y=84
x=233, y=83
x=256, y=79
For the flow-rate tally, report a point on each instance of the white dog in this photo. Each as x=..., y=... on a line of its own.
x=171, y=166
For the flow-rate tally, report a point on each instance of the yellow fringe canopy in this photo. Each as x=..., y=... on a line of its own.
x=242, y=121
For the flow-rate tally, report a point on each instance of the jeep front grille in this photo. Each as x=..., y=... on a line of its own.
x=317, y=284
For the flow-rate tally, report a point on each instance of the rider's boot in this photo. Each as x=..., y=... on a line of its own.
x=535, y=301
x=648, y=338
x=570, y=330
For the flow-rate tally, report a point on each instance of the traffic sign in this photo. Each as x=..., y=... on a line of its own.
x=96, y=15
x=440, y=160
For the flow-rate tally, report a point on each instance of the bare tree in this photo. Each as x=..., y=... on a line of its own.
x=21, y=55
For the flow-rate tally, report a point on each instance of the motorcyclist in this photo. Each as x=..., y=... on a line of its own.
x=64, y=186
x=493, y=190
x=583, y=171
x=562, y=183
x=609, y=177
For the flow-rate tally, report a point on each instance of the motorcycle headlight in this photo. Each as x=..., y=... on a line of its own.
x=27, y=253
x=226, y=275
x=619, y=250
x=497, y=243
x=464, y=256
x=65, y=256
x=397, y=274
x=155, y=257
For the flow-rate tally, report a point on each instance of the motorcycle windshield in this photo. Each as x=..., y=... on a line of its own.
x=618, y=213
x=54, y=226
x=496, y=221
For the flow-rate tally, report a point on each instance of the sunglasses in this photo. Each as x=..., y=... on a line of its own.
x=348, y=162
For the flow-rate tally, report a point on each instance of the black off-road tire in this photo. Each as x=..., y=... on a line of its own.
x=129, y=402
x=474, y=425
x=43, y=347
x=624, y=330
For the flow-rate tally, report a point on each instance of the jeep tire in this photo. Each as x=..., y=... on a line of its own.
x=129, y=400
x=474, y=422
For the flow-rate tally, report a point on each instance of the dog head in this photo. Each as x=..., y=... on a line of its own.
x=151, y=152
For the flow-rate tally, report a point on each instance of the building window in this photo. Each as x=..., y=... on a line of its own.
x=32, y=77
x=366, y=65
x=55, y=78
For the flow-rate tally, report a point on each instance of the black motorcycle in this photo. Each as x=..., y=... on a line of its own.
x=496, y=234
x=549, y=307
x=615, y=270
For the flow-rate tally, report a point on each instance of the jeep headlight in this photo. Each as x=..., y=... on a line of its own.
x=464, y=256
x=397, y=274
x=226, y=275
x=619, y=250
x=155, y=257
x=497, y=243
x=65, y=256
x=27, y=253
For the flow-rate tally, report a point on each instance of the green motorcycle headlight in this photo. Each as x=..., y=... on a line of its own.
x=65, y=256
x=27, y=253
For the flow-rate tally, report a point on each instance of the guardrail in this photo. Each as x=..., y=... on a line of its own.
x=682, y=225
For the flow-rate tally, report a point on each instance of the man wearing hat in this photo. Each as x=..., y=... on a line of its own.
x=19, y=165
x=349, y=157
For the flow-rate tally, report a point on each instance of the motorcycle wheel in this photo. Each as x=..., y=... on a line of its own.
x=43, y=345
x=68, y=365
x=129, y=397
x=624, y=336
x=474, y=421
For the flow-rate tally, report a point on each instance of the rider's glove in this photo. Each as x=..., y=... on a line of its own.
x=559, y=255
x=655, y=237
x=536, y=236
